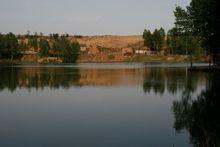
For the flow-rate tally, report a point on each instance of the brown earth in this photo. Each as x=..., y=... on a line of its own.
x=107, y=48
x=109, y=41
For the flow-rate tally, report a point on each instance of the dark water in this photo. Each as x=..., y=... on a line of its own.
x=108, y=105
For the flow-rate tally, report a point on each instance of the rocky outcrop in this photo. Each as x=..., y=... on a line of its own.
x=49, y=60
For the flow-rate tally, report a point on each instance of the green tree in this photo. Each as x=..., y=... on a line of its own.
x=205, y=19
x=173, y=41
x=158, y=39
x=71, y=52
x=56, y=49
x=154, y=40
x=183, y=25
x=22, y=46
x=55, y=36
x=1, y=45
x=66, y=49
x=201, y=19
x=11, y=44
x=32, y=42
x=148, y=40
x=177, y=43
x=182, y=21
x=44, y=47
x=182, y=37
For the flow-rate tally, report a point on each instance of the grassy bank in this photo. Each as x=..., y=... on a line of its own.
x=167, y=58
x=135, y=58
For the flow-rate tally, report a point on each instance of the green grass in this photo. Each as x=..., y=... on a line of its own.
x=111, y=57
x=163, y=58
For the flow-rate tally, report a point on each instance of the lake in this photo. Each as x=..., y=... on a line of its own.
x=107, y=105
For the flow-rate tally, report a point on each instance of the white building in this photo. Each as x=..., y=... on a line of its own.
x=144, y=52
x=141, y=51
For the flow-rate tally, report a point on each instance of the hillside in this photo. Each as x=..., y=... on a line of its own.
x=107, y=48
x=109, y=41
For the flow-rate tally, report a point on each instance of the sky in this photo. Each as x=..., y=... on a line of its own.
x=87, y=17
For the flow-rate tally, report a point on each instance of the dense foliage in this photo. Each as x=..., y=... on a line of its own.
x=33, y=42
x=67, y=50
x=201, y=19
x=204, y=15
x=182, y=44
x=181, y=39
x=8, y=46
x=55, y=45
x=154, y=40
x=44, y=47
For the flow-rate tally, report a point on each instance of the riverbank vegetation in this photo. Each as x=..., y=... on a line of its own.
x=196, y=32
x=199, y=25
x=155, y=40
x=12, y=46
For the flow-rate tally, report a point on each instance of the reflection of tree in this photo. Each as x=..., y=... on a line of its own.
x=8, y=77
x=200, y=116
x=159, y=79
x=154, y=80
x=40, y=77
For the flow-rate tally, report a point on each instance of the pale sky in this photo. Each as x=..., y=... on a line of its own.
x=87, y=17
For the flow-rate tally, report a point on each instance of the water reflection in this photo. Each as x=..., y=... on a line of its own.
x=172, y=80
x=108, y=106
x=65, y=77
x=199, y=114
x=156, y=79
x=31, y=77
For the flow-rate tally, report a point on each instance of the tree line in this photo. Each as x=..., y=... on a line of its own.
x=8, y=46
x=173, y=42
x=154, y=40
x=196, y=31
x=12, y=46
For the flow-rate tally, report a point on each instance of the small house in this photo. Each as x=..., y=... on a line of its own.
x=141, y=51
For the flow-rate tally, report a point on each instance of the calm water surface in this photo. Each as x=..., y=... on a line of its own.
x=97, y=105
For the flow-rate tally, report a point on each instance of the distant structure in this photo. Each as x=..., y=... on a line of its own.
x=144, y=51
x=141, y=51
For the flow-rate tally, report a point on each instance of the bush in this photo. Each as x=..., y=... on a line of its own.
x=111, y=56
x=44, y=47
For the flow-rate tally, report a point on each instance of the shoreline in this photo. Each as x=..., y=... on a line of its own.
x=133, y=59
x=93, y=62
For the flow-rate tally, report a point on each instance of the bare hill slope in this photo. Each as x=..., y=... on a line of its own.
x=108, y=41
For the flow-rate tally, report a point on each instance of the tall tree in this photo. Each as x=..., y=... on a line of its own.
x=11, y=44
x=205, y=23
x=44, y=47
x=1, y=45
x=182, y=24
x=158, y=39
x=33, y=42
x=147, y=36
x=171, y=40
x=66, y=49
x=22, y=46
x=154, y=40
x=184, y=27
x=71, y=52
